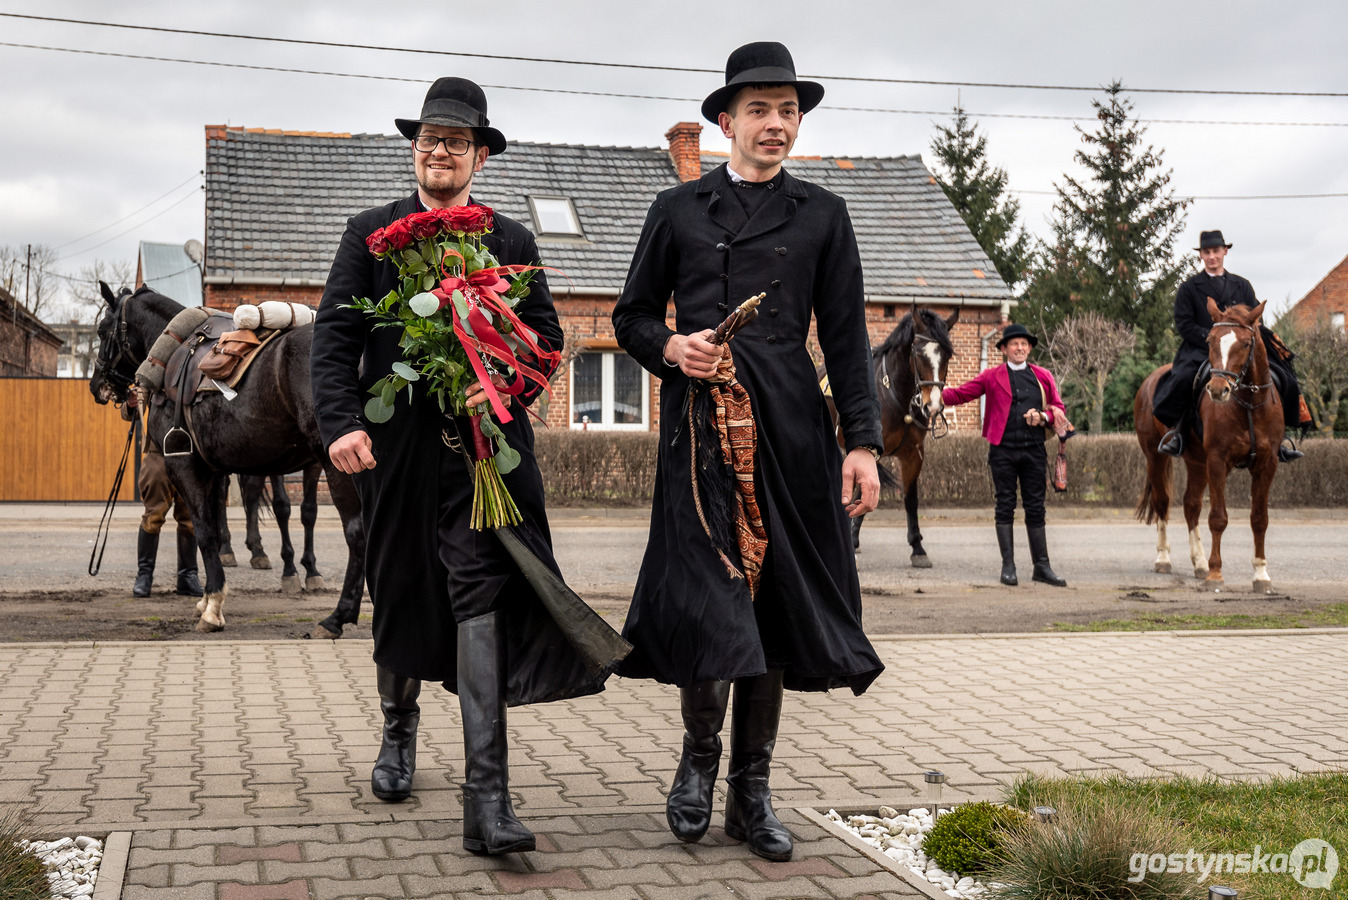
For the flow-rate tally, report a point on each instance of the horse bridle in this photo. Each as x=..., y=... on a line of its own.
x=1237, y=379
x=917, y=413
x=122, y=342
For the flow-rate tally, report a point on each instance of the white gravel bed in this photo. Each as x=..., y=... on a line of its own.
x=899, y=836
x=72, y=864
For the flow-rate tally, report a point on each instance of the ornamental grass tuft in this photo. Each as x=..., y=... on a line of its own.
x=22, y=875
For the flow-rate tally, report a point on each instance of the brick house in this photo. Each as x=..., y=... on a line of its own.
x=28, y=346
x=1327, y=300
x=277, y=202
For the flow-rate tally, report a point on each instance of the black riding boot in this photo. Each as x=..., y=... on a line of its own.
x=1039, y=553
x=753, y=734
x=688, y=808
x=188, y=585
x=1288, y=452
x=147, y=549
x=489, y=823
x=391, y=779
x=1006, y=541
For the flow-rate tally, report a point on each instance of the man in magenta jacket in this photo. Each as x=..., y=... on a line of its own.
x=1022, y=400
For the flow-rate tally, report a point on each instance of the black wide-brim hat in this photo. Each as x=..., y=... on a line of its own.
x=458, y=103
x=762, y=62
x=1017, y=330
x=1208, y=239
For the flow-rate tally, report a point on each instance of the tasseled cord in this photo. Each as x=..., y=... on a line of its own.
x=713, y=479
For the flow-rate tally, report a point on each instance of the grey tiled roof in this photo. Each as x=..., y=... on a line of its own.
x=276, y=204
x=913, y=243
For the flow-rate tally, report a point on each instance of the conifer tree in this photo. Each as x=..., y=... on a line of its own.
x=977, y=190
x=1114, y=234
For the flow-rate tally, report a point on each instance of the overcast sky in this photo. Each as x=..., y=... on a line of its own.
x=88, y=140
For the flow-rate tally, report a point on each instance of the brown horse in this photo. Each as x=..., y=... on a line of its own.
x=1242, y=427
x=910, y=372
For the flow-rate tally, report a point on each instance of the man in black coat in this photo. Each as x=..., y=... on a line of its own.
x=746, y=228
x=450, y=604
x=1176, y=395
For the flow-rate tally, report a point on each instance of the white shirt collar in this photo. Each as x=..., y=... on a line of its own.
x=1016, y=368
x=736, y=177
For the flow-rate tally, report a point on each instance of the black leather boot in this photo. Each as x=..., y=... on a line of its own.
x=1288, y=452
x=688, y=808
x=1006, y=541
x=1172, y=442
x=147, y=548
x=753, y=734
x=490, y=826
x=391, y=779
x=1039, y=553
x=188, y=585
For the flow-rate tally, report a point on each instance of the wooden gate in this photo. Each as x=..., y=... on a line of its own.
x=56, y=443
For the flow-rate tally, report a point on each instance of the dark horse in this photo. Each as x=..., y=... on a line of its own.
x=1242, y=428
x=267, y=429
x=910, y=372
x=252, y=489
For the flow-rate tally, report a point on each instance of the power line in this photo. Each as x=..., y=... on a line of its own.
x=651, y=67
x=549, y=90
x=198, y=174
x=180, y=200
x=1216, y=196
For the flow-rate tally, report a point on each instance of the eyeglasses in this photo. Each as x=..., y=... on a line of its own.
x=454, y=146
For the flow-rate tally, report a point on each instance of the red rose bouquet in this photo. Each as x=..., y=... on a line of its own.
x=455, y=303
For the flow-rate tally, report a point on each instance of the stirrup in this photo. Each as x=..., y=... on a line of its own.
x=1288, y=452
x=177, y=438
x=1172, y=443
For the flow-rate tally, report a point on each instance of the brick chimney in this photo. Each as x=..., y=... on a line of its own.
x=684, y=150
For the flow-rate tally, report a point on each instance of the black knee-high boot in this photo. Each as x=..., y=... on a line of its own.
x=489, y=822
x=391, y=779
x=688, y=808
x=147, y=549
x=1039, y=553
x=188, y=583
x=1006, y=542
x=753, y=734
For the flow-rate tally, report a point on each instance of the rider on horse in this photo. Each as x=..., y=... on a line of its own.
x=1177, y=393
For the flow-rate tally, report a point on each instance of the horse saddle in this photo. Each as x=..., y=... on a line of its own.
x=214, y=353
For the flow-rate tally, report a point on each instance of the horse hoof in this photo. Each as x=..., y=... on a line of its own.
x=227, y=559
x=201, y=606
x=261, y=562
x=290, y=584
x=1162, y=568
x=332, y=625
x=1214, y=579
x=313, y=583
x=207, y=627
x=920, y=561
x=1203, y=573
x=1263, y=587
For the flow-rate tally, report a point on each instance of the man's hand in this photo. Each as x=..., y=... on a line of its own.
x=1034, y=418
x=859, y=474
x=352, y=452
x=477, y=394
x=694, y=354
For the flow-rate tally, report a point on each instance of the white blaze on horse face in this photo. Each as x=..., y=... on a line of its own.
x=931, y=396
x=1226, y=342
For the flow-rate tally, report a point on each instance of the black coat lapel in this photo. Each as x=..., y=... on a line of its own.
x=776, y=211
x=725, y=212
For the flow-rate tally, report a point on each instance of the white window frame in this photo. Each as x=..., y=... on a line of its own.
x=570, y=212
x=1336, y=321
x=606, y=397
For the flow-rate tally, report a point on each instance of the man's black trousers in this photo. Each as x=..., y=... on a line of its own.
x=1026, y=466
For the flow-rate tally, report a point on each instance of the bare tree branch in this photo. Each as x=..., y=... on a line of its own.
x=1083, y=350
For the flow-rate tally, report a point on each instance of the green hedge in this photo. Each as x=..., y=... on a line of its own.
x=618, y=469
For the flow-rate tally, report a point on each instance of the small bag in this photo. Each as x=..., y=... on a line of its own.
x=232, y=348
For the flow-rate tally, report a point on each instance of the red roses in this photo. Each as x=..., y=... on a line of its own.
x=460, y=220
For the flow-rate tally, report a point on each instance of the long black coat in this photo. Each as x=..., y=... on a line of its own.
x=1175, y=393
x=689, y=620
x=416, y=474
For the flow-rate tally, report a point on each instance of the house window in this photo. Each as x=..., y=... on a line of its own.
x=610, y=391
x=1336, y=321
x=554, y=216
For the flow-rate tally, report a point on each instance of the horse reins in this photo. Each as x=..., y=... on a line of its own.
x=917, y=413
x=105, y=523
x=1237, y=382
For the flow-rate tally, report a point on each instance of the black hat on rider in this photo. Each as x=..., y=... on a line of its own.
x=1017, y=330
x=762, y=62
x=1207, y=239
x=458, y=103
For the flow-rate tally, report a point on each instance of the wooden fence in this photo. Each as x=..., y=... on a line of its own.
x=56, y=443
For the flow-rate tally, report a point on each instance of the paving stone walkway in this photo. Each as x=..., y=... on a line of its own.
x=240, y=771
